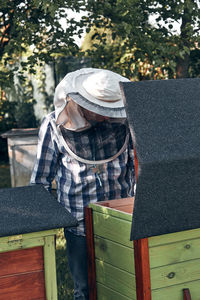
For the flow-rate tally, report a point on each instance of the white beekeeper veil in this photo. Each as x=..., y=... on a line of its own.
x=96, y=90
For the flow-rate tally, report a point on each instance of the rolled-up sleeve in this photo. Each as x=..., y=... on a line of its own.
x=46, y=163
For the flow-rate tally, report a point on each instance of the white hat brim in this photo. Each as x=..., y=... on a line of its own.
x=77, y=86
x=113, y=108
x=107, y=111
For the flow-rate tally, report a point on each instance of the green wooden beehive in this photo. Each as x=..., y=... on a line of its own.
x=170, y=261
x=163, y=260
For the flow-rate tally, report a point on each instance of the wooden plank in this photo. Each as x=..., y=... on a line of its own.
x=175, y=274
x=175, y=292
x=31, y=235
x=115, y=254
x=136, y=164
x=91, y=254
x=111, y=212
x=142, y=269
x=114, y=211
x=186, y=294
x=112, y=228
x=50, y=268
x=119, y=204
x=125, y=208
x=104, y=293
x=174, y=253
x=23, y=286
x=115, y=279
x=21, y=261
x=24, y=241
x=21, y=244
x=174, y=237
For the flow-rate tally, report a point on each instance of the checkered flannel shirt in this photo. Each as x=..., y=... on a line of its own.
x=77, y=183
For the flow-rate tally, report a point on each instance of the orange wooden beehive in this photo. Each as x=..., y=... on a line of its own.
x=29, y=221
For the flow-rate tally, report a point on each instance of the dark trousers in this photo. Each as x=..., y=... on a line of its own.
x=77, y=260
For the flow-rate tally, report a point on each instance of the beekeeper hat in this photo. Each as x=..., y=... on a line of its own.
x=97, y=90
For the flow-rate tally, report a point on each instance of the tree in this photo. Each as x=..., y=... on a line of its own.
x=31, y=34
x=142, y=44
x=35, y=24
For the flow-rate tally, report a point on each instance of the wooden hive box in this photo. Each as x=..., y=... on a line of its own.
x=29, y=220
x=152, y=252
x=27, y=266
x=22, y=149
x=157, y=268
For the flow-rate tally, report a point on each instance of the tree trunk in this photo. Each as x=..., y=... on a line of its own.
x=182, y=64
x=182, y=67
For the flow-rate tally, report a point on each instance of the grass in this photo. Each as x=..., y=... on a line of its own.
x=5, y=181
x=64, y=280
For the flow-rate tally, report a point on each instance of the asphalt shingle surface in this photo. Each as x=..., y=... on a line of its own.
x=165, y=118
x=31, y=209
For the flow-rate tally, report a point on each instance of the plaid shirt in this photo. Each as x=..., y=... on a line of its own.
x=79, y=184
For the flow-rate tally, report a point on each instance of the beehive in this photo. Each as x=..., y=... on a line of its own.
x=171, y=261
x=29, y=220
x=22, y=148
x=162, y=261
x=28, y=269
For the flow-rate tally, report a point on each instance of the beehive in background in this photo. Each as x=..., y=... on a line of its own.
x=22, y=148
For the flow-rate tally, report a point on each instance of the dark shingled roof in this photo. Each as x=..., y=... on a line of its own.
x=31, y=209
x=20, y=132
x=165, y=118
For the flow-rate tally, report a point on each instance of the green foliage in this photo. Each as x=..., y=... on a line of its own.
x=125, y=38
x=68, y=64
x=24, y=110
x=18, y=113
x=36, y=24
x=7, y=121
x=31, y=34
x=194, y=68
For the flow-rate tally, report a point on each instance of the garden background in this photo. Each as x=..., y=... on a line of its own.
x=42, y=40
